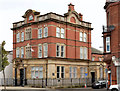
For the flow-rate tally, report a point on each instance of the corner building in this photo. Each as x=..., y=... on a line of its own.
x=111, y=39
x=51, y=45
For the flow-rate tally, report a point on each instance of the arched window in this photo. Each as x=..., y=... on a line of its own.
x=72, y=19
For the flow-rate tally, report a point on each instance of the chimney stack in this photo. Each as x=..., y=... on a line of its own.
x=70, y=7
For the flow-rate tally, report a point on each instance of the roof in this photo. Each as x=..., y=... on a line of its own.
x=96, y=51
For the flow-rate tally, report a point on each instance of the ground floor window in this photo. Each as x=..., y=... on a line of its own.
x=83, y=71
x=37, y=72
x=73, y=72
x=60, y=72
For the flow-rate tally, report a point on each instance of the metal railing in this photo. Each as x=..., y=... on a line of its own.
x=49, y=82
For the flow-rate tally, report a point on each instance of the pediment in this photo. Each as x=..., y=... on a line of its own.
x=30, y=11
x=73, y=17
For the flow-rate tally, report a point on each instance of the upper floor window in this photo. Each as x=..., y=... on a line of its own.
x=22, y=52
x=40, y=33
x=18, y=37
x=17, y=52
x=60, y=50
x=100, y=59
x=81, y=36
x=85, y=37
x=45, y=50
x=28, y=52
x=22, y=36
x=30, y=17
x=83, y=53
x=40, y=51
x=28, y=34
x=57, y=32
x=60, y=32
x=93, y=58
x=45, y=31
x=107, y=44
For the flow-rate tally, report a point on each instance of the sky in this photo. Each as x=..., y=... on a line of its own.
x=12, y=10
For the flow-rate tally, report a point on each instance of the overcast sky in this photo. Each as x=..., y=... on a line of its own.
x=12, y=11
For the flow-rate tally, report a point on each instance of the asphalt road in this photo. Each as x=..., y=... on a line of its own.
x=67, y=89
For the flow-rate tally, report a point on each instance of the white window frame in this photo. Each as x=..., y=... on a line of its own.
x=17, y=52
x=63, y=72
x=62, y=51
x=22, y=36
x=57, y=50
x=39, y=51
x=58, y=32
x=45, y=50
x=100, y=59
x=101, y=72
x=81, y=53
x=22, y=52
x=58, y=72
x=85, y=37
x=45, y=31
x=18, y=37
x=93, y=58
x=39, y=71
x=81, y=36
x=62, y=33
x=85, y=53
x=28, y=51
x=40, y=33
x=70, y=72
x=81, y=72
x=107, y=44
x=75, y=72
x=28, y=34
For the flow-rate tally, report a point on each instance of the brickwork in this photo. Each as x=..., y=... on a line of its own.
x=112, y=13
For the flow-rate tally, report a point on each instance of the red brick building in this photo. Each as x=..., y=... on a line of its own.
x=97, y=55
x=52, y=46
x=112, y=41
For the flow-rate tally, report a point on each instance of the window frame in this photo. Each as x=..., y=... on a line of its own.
x=22, y=52
x=81, y=36
x=39, y=51
x=45, y=32
x=39, y=71
x=22, y=36
x=45, y=51
x=17, y=52
x=40, y=33
x=85, y=37
x=107, y=44
x=18, y=37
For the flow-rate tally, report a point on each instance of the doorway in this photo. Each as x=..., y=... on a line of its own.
x=21, y=76
x=93, y=77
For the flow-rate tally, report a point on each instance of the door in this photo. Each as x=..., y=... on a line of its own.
x=93, y=77
x=21, y=76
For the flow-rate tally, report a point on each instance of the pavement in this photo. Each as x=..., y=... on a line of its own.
x=22, y=88
x=18, y=88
